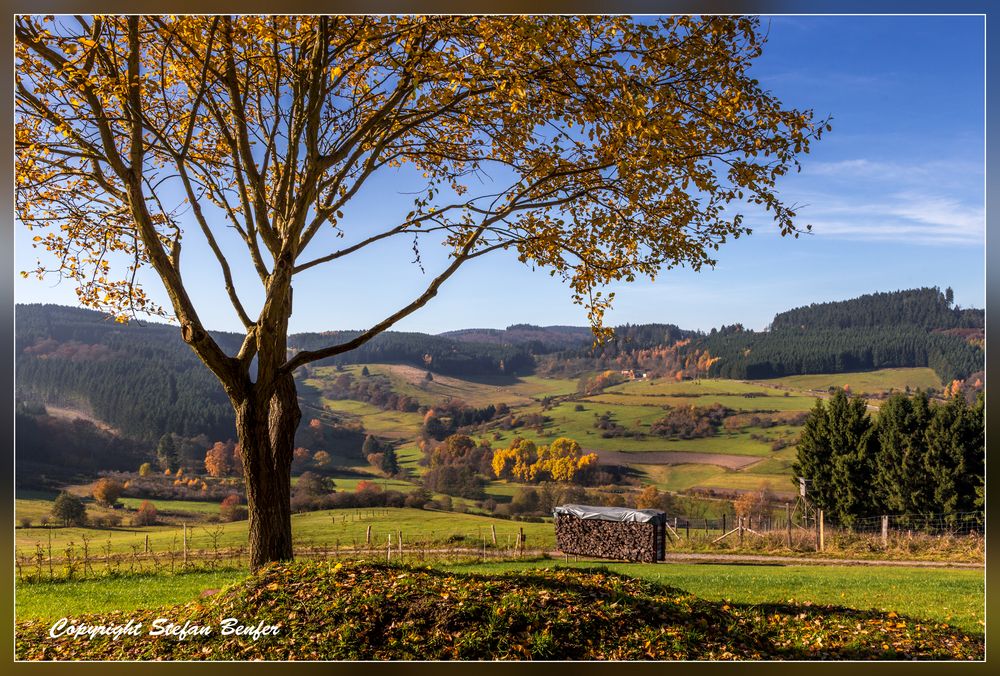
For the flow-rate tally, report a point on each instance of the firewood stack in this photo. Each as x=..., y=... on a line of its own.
x=611, y=532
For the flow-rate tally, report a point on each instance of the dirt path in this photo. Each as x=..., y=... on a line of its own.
x=681, y=557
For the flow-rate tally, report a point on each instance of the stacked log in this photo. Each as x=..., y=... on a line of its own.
x=610, y=539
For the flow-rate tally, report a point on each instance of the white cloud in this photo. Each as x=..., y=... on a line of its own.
x=937, y=202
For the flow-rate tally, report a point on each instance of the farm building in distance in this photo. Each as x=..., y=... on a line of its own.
x=611, y=532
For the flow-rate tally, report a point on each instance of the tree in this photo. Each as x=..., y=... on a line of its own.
x=651, y=498
x=145, y=469
x=107, y=491
x=69, y=509
x=955, y=461
x=146, y=515
x=754, y=505
x=515, y=461
x=608, y=150
x=166, y=453
x=312, y=485
x=852, y=440
x=218, y=459
x=390, y=463
x=901, y=477
x=380, y=455
x=835, y=455
x=562, y=460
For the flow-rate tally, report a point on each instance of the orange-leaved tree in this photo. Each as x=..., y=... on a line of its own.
x=601, y=148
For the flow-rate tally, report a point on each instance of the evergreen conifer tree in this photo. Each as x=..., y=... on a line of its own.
x=954, y=460
x=390, y=464
x=901, y=478
x=166, y=453
x=852, y=453
x=813, y=461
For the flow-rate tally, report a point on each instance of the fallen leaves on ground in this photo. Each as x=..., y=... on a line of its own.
x=355, y=611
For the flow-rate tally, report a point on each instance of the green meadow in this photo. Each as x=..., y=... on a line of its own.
x=954, y=597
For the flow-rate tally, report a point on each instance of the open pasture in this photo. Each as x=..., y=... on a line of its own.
x=866, y=382
x=326, y=528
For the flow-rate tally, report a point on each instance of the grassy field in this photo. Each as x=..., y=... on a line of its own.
x=52, y=600
x=175, y=506
x=635, y=405
x=700, y=388
x=389, y=424
x=953, y=596
x=369, y=611
x=582, y=430
x=868, y=382
x=37, y=507
x=479, y=392
x=679, y=478
x=739, y=402
x=326, y=528
x=949, y=596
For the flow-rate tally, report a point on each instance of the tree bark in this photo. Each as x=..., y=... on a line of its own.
x=266, y=421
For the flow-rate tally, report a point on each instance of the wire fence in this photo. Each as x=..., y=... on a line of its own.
x=957, y=537
x=89, y=558
x=959, y=523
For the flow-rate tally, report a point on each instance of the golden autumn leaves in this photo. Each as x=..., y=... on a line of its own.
x=602, y=149
x=561, y=460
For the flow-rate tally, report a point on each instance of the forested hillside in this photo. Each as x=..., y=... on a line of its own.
x=436, y=353
x=144, y=381
x=925, y=308
x=753, y=355
x=536, y=339
x=918, y=327
x=141, y=379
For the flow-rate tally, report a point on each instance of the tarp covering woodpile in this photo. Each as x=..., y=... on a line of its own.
x=611, y=532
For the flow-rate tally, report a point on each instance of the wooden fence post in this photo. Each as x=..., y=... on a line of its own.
x=885, y=530
x=368, y=535
x=741, y=532
x=185, y=545
x=493, y=528
x=399, y=544
x=788, y=525
x=821, y=527
x=723, y=522
x=146, y=551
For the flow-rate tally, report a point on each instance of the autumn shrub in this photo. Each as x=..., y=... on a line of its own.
x=231, y=509
x=146, y=515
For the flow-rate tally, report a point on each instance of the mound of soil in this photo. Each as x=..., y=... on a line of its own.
x=354, y=611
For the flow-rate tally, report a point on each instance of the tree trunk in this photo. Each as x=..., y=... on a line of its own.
x=266, y=421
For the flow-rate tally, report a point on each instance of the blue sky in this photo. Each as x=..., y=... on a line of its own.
x=895, y=195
